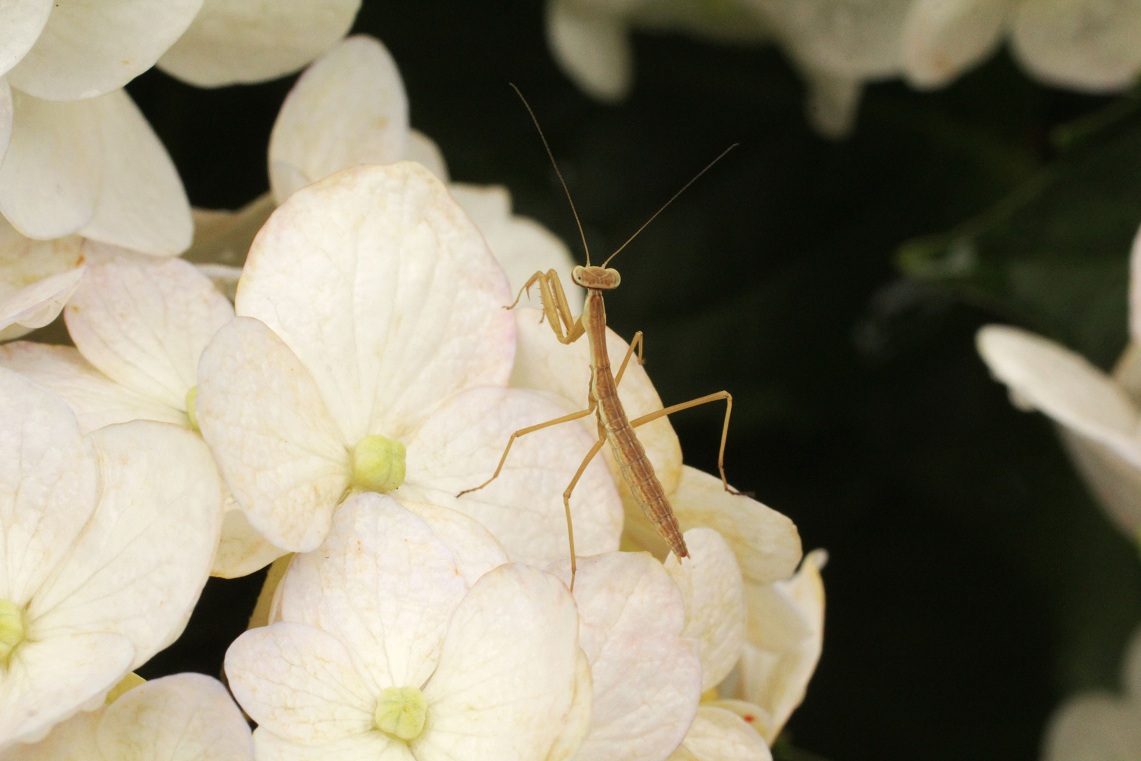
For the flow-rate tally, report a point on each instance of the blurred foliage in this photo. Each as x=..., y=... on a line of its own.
x=972, y=582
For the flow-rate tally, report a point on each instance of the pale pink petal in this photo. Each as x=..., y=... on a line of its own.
x=348, y=108
x=52, y=173
x=89, y=49
x=592, y=48
x=1084, y=45
x=943, y=38
x=142, y=560
x=48, y=679
x=144, y=323
x=647, y=677
x=719, y=735
x=766, y=542
x=473, y=548
x=714, y=597
x=49, y=483
x=408, y=311
x=95, y=399
x=459, y=446
x=299, y=682
x=507, y=674
x=577, y=722
x=284, y=461
x=142, y=205
x=184, y=717
x=383, y=584
x=23, y=22
x=238, y=41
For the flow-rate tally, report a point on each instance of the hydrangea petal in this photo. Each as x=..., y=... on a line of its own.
x=592, y=48
x=5, y=117
x=1094, y=727
x=23, y=22
x=719, y=735
x=520, y=244
x=272, y=435
x=647, y=678
x=423, y=150
x=459, y=446
x=577, y=723
x=299, y=682
x=372, y=746
x=409, y=308
x=507, y=673
x=53, y=169
x=545, y=364
x=766, y=542
x=1062, y=384
x=348, y=108
x=242, y=41
x=1135, y=291
x=224, y=237
x=241, y=549
x=48, y=485
x=714, y=596
x=142, y=560
x=1114, y=480
x=69, y=740
x=95, y=399
x=847, y=37
x=473, y=547
x=89, y=49
x=184, y=717
x=383, y=584
x=1084, y=45
x=142, y=205
x=942, y=38
x=38, y=304
x=144, y=323
x=49, y=679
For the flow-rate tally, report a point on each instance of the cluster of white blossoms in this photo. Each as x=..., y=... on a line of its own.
x=324, y=420
x=838, y=45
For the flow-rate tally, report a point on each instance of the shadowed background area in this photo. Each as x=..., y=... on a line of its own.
x=972, y=584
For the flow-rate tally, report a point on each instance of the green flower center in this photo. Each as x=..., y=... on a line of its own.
x=11, y=628
x=400, y=712
x=191, y=413
x=378, y=464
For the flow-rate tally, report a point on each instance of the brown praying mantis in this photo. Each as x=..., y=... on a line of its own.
x=614, y=427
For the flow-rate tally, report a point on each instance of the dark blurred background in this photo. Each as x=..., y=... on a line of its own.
x=834, y=287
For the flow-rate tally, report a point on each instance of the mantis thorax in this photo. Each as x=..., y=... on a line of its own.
x=598, y=278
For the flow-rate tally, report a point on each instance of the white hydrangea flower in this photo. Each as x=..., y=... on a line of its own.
x=384, y=651
x=36, y=279
x=1098, y=415
x=105, y=544
x=371, y=328
x=1100, y=726
x=184, y=717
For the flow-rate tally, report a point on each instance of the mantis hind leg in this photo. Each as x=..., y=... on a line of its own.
x=696, y=403
x=566, y=502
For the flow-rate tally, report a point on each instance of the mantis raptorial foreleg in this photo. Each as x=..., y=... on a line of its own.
x=556, y=309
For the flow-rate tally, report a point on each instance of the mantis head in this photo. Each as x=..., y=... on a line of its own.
x=597, y=278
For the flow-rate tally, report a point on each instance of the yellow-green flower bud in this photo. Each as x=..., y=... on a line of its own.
x=191, y=414
x=400, y=712
x=11, y=628
x=378, y=464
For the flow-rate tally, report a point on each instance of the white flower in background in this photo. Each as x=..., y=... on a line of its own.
x=383, y=651
x=185, y=717
x=1100, y=726
x=36, y=279
x=840, y=44
x=371, y=353
x=1098, y=415
x=105, y=544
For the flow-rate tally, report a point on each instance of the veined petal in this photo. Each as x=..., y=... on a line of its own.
x=714, y=596
x=36, y=279
x=1084, y=45
x=23, y=22
x=241, y=549
x=142, y=205
x=409, y=308
x=370, y=746
x=49, y=482
x=507, y=674
x=459, y=446
x=299, y=682
x=5, y=117
x=240, y=41
x=473, y=548
x=49, y=679
x=941, y=39
x=53, y=169
x=384, y=585
x=95, y=399
x=38, y=304
x=348, y=108
x=224, y=237
x=593, y=48
x=647, y=677
x=145, y=322
x=89, y=49
x=143, y=558
x=720, y=735
x=1045, y=376
x=766, y=542
x=272, y=435
x=184, y=717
